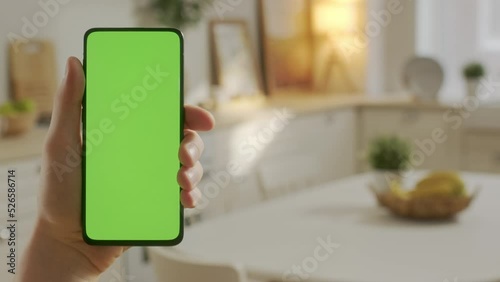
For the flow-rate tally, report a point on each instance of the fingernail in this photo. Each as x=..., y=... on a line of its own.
x=192, y=174
x=193, y=150
x=66, y=69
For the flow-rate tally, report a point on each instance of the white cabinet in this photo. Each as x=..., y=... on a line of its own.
x=323, y=142
x=26, y=189
x=481, y=151
x=436, y=144
x=22, y=155
x=277, y=150
x=230, y=159
x=312, y=149
x=309, y=148
x=339, y=160
x=224, y=167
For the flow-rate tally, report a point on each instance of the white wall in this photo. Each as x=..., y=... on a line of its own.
x=67, y=26
x=391, y=47
x=399, y=45
x=456, y=32
x=82, y=15
x=11, y=14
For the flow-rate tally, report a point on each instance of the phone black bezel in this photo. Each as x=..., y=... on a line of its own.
x=86, y=238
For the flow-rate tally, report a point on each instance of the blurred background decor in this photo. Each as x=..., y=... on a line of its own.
x=288, y=46
x=33, y=73
x=423, y=77
x=179, y=13
x=234, y=63
x=439, y=195
x=291, y=165
x=307, y=50
x=340, y=57
x=18, y=117
x=389, y=157
x=473, y=72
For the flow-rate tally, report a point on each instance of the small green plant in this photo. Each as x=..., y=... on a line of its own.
x=389, y=153
x=473, y=71
x=17, y=107
x=179, y=13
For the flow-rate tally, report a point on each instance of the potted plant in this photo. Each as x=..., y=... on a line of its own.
x=18, y=117
x=389, y=157
x=178, y=13
x=473, y=72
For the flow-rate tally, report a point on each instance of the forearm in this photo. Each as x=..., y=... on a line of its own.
x=47, y=259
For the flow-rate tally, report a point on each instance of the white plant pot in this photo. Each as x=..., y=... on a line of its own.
x=382, y=180
x=472, y=86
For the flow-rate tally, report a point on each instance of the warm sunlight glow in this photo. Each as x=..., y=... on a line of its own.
x=335, y=17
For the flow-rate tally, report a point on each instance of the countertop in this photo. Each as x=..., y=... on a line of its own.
x=241, y=110
x=238, y=111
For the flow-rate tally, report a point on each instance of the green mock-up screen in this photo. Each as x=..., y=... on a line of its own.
x=132, y=128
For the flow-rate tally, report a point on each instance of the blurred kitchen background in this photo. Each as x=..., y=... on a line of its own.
x=320, y=105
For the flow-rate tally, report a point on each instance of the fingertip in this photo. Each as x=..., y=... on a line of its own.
x=74, y=72
x=190, y=199
x=199, y=119
x=74, y=60
x=211, y=123
x=68, y=102
x=187, y=200
x=191, y=148
x=73, y=84
x=189, y=177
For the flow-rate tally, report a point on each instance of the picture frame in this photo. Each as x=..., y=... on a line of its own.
x=288, y=45
x=311, y=47
x=234, y=62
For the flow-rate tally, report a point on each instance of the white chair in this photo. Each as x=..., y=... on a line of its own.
x=171, y=266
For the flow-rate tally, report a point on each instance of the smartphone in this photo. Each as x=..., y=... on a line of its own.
x=132, y=128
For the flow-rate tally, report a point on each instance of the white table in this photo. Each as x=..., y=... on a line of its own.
x=374, y=246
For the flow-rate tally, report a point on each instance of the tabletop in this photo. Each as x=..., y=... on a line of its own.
x=337, y=232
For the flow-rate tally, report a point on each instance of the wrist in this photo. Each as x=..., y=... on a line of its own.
x=47, y=258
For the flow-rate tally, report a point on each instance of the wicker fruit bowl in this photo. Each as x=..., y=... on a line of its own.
x=18, y=124
x=430, y=208
x=17, y=117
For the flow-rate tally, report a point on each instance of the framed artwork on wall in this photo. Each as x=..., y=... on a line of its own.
x=313, y=46
x=234, y=63
x=286, y=36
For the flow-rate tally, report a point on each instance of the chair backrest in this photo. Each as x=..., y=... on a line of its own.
x=171, y=266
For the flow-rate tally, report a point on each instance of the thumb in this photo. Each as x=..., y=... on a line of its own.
x=66, y=115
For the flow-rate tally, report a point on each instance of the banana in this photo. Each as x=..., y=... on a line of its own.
x=440, y=184
x=398, y=191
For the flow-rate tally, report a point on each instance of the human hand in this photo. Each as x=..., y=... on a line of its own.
x=57, y=244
